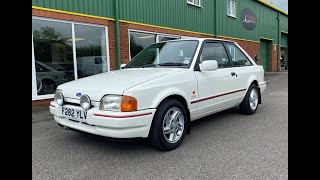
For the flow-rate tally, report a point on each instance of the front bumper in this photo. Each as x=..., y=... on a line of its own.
x=106, y=123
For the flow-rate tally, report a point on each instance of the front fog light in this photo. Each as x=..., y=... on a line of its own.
x=58, y=97
x=85, y=102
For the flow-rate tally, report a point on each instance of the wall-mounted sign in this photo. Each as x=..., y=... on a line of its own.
x=248, y=19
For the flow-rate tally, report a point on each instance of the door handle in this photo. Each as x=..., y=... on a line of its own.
x=234, y=74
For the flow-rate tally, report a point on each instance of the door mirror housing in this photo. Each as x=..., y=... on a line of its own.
x=209, y=65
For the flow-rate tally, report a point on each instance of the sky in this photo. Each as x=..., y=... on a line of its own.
x=282, y=4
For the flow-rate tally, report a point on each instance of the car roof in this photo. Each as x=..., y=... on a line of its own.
x=202, y=39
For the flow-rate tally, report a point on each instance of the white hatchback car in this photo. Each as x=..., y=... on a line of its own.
x=162, y=89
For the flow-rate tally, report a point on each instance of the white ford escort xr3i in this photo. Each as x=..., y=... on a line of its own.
x=162, y=89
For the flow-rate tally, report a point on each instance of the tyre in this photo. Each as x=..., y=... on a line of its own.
x=250, y=102
x=169, y=125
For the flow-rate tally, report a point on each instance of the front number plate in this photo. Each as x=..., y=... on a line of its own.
x=74, y=114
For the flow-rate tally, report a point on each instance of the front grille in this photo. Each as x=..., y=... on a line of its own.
x=70, y=103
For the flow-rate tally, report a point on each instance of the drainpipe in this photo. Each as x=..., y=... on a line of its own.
x=279, y=41
x=117, y=33
x=215, y=19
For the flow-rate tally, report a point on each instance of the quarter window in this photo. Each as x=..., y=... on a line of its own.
x=231, y=8
x=215, y=51
x=238, y=58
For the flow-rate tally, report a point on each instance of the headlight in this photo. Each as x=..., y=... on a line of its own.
x=58, y=97
x=110, y=103
x=118, y=103
x=85, y=102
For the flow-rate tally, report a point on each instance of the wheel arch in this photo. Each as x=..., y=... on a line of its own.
x=253, y=80
x=184, y=102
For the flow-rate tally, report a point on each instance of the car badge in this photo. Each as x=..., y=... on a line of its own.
x=78, y=94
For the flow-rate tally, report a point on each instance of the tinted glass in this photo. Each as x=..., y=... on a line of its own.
x=215, y=51
x=167, y=54
x=238, y=58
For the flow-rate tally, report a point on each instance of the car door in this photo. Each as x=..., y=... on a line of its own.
x=241, y=66
x=216, y=88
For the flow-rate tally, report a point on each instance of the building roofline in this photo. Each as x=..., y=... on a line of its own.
x=273, y=7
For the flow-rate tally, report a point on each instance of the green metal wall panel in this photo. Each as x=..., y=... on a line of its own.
x=266, y=21
x=180, y=15
x=170, y=13
x=103, y=8
x=283, y=23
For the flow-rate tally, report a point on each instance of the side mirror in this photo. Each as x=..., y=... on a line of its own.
x=209, y=65
x=122, y=65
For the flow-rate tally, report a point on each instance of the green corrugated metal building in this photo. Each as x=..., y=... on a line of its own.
x=68, y=34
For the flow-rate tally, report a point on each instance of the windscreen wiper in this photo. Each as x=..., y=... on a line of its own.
x=172, y=64
x=149, y=65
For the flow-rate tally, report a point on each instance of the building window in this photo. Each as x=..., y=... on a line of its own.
x=194, y=2
x=53, y=54
x=231, y=8
x=64, y=51
x=238, y=58
x=91, y=50
x=139, y=41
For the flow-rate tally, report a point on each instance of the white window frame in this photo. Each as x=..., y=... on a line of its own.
x=232, y=5
x=48, y=96
x=192, y=2
x=34, y=79
x=150, y=32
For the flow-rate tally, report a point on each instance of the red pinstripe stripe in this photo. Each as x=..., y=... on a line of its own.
x=219, y=95
x=129, y=116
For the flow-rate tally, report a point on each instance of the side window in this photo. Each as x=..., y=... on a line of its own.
x=237, y=56
x=215, y=51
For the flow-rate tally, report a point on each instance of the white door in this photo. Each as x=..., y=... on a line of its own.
x=242, y=67
x=219, y=88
